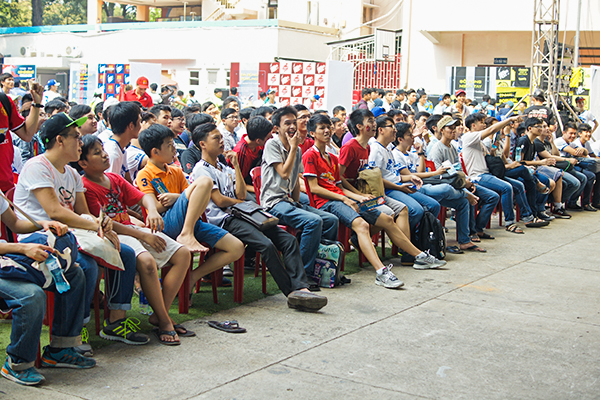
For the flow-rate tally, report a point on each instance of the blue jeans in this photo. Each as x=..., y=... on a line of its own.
x=504, y=189
x=28, y=302
x=90, y=270
x=449, y=197
x=120, y=283
x=583, y=180
x=346, y=214
x=487, y=203
x=314, y=224
x=416, y=203
x=524, y=175
x=541, y=199
x=303, y=199
x=589, y=184
x=521, y=198
x=571, y=187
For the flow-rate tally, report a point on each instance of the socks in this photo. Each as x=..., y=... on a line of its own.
x=558, y=205
x=380, y=271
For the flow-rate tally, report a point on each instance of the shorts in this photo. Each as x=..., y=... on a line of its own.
x=139, y=246
x=174, y=218
x=391, y=207
x=346, y=214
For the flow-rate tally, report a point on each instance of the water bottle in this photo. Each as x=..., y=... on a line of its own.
x=57, y=274
x=518, y=151
x=144, y=306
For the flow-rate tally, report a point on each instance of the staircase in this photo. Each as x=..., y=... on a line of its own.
x=219, y=13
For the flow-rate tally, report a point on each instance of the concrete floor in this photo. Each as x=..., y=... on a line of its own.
x=519, y=322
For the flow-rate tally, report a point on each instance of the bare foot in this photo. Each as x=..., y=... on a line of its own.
x=191, y=243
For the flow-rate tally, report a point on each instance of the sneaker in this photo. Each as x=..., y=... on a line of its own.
x=227, y=271
x=250, y=263
x=407, y=259
x=427, y=261
x=306, y=301
x=545, y=216
x=588, y=207
x=124, y=330
x=85, y=349
x=28, y=377
x=387, y=279
x=224, y=283
x=561, y=213
x=66, y=358
x=575, y=207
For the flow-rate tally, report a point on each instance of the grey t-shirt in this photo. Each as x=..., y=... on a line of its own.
x=274, y=188
x=440, y=153
x=474, y=154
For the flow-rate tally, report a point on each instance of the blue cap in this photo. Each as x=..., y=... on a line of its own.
x=52, y=82
x=377, y=111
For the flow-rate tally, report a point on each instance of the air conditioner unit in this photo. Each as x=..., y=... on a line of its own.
x=27, y=51
x=73, y=51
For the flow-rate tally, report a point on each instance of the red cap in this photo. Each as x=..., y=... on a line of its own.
x=459, y=92
x=142, y=82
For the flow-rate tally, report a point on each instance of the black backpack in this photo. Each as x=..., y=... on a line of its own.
x=431, y=236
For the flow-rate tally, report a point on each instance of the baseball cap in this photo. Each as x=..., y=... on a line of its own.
x=271, y=91
x=377, y=111
x=459, y=92
x=52, y=82
x=142, y=82
x=58, y=123
x=579, y=98
x=447, y=121
x=111, y=101
x=538, y=94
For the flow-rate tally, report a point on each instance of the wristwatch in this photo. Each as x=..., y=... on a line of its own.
x=37, y=105
x=421, y=154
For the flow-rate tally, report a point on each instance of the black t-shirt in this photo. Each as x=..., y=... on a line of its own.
x=337, y=140
x=395, y=105
x=189, y=158
x=527, y=148
x=541, y=112
x=541, y=146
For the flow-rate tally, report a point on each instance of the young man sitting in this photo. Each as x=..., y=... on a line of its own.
x=323, y=174
x=191, y=156
x=228, y=188
x=249, y=149
x=23, y=292
x=125, y=122
x=280, y=189
x=414, y=163
x=181, y=204
x=112, y=194
x=49, y=188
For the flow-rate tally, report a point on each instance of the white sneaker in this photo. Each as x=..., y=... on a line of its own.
x=387, y=279
x=227, y=271
x=427, y=261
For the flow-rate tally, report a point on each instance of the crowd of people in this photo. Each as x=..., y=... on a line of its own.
x=158, y=176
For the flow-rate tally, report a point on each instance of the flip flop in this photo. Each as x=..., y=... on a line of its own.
x=485, y=236
x=475, y=248
x=454, y=250
x=226, y=326
x=186, y=332
x=475, y=239
x=536, y=223
x=160, y=333
x=513, y=228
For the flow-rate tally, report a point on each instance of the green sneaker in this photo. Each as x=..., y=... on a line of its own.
x=28, y=377
x=66, y=358
x=85, y=349
x=124, y=330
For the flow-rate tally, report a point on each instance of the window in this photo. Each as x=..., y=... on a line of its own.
x=212, y=76
x=194, y=78
x=228, y=79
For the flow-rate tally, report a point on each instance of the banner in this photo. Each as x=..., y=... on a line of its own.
x=22, y=72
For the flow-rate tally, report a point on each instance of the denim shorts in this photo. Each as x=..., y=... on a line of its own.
x=346, y=214
x=174, y=218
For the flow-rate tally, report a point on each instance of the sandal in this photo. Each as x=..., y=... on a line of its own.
x=454, y=250
x=475, y=248
x=543, y=189
x=536, y=223
x=182, y=331
x=475, y=238
x=160, y=333
x=484, y=235
x=513, y=228
x=226, y=326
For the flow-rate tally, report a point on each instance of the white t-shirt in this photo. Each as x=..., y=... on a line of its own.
x=117, y=157
x=135, y=156
x=228, y=138
x=382, y=157
x=587, y=146
x=410, y=160
x=39, y=173
x=104, y=135
x=587, y=117
x=474, y=154
x=49, y=95
x=561, y=144
x=223, y=180
x=3, y=205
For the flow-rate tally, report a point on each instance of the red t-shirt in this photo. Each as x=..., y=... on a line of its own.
x=7, y=151
x=354, y=157
x=308, y=143
x=145, y=99
x=247, y=157
x=328, y=176
x=115, y=200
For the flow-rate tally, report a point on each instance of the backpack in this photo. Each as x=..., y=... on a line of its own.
x=431, y=236
x=6, y=104
x=327, y=265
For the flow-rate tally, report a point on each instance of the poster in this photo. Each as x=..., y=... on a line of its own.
x=22, y=72
x=111, y=78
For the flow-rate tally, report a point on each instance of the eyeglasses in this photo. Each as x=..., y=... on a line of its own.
x=389, y=126
x=233, y=117
x=177, y=119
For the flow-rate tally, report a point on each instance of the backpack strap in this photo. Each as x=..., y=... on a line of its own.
x=7, y=106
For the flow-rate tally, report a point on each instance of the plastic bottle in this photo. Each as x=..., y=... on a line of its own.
x=57, y=274
x=518, y=151
x=144, y=306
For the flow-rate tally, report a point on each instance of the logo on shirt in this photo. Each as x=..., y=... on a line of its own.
x=65, y=198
